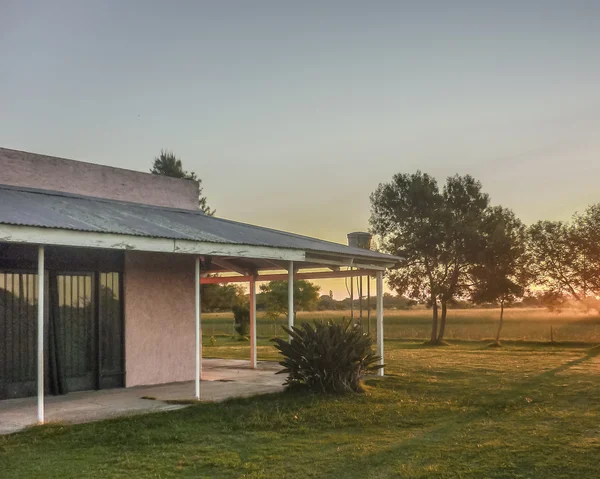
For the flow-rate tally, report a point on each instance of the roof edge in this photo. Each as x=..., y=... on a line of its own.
x=355, y=251
x=91, y=163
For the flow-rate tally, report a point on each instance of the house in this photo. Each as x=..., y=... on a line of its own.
x=100, y=273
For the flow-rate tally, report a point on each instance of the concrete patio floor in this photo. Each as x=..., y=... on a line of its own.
x=221, y=379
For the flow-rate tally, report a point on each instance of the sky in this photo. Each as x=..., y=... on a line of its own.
x=293, y=112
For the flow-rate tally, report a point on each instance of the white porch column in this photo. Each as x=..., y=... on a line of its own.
x=379, y=286
x=198, y=330
x=253, y=322
x=40, y=336
x=290, y=296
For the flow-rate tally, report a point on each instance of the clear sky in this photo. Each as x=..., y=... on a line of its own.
x=293, y=112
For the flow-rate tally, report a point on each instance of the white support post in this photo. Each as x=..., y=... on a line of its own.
x=198, y=330
x=379, y=286
x=290, y=296
x=253, y=322
x=40, y=336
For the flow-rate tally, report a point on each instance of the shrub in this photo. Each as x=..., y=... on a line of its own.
x=241, y=319
x=327, y=357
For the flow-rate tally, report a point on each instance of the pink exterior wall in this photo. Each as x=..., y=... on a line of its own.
x=19, y=168
x=159, y=318
x=159, y=288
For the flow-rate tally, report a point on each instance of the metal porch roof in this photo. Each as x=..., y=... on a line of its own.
x=49, y=209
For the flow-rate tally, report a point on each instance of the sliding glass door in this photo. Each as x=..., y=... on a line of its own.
x=72, y=333
x=18, y=333
x=83, y=332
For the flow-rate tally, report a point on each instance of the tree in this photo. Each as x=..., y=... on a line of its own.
x=167, y=164
x=407, y=215
x=499, y=273
x=554, y=257
x=221, y=297
x=466, y=206
x=435, y=232
x=586, y=238
x=553, y=301
x=391, y=301
x=566, y=255
x=326, y=303
x=306, y=296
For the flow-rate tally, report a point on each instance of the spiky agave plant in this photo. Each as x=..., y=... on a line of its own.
x=327, y=357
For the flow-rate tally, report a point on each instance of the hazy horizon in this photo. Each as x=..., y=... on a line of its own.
x=292, y=114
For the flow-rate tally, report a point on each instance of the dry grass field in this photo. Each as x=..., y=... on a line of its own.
x=520, y=324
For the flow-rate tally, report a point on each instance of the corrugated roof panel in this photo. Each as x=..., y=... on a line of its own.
x=40, y=208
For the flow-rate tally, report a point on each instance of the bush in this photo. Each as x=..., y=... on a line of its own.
x=241, y=319
x=327, y=357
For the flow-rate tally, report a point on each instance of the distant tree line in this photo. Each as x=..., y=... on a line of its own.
x=390, y=301
x=272, y=299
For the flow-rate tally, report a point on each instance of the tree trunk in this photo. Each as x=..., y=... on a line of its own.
x=440, y=337
x=434, y=323
x=501, y=322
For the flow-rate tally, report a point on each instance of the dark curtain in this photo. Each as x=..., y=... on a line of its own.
x=56, y=372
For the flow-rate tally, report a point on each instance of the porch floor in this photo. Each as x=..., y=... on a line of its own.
x=221, y=379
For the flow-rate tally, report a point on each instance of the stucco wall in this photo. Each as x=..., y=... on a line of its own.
x=19, y=168
x=159, y=318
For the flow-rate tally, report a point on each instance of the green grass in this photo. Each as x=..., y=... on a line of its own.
x=523, y=410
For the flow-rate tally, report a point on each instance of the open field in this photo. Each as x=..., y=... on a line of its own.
x=459, y=411
x=523, y=324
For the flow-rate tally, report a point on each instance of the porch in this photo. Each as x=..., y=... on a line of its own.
x=221, y=379
x=100, y=294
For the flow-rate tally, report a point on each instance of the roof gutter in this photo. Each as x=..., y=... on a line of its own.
x=64, y=237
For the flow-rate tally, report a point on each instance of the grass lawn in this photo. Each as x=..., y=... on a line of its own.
x=524, y=410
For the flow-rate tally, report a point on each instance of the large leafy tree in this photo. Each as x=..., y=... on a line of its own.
x=408, y=216
x=167, y=164
x=275, y=296
x=499, y=272
x=565, y=256
x=435, y=232
x=586, y=239
x=554, y=257
x=465, y=206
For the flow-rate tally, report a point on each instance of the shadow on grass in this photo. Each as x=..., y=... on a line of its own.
x=436, y=344
x=479, y=343
x=499, y=405
x=591, y=353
